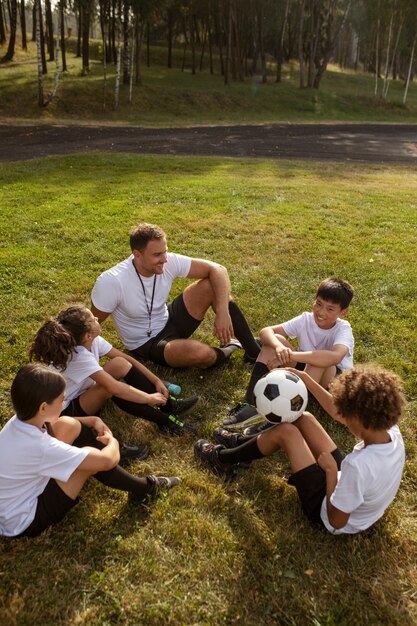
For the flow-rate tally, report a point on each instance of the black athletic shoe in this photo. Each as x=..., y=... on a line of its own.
x=157, y=483
x=247, y=357
x=229, y=440
x=208, y=455
x=131, y=452
x=182, y=407
x=257, y=429
x=241, y=415
x=226, y=439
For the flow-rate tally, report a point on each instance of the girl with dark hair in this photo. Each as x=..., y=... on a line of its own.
x=71, y=344
x=46, y=458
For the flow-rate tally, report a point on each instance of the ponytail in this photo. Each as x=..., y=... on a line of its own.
x=58, y=337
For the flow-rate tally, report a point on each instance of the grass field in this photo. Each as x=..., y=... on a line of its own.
x=172, y=97
x=208, y=554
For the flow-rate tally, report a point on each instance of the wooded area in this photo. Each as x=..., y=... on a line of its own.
x=234, y=38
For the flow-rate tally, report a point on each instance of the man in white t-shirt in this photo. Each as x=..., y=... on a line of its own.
x=135, y=294
x=325, y=346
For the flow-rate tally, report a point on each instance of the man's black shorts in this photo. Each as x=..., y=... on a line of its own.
x=310, y=483
x=180, y=325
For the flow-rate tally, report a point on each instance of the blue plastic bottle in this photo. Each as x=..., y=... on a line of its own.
x=173, y=389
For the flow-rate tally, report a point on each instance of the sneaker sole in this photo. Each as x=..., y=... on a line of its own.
x=251, y=421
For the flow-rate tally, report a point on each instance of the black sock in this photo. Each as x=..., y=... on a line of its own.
x=117, y=477
x=220, y=357
x=136, y=379
x=248, y=451
x=242, y=331
x=259, y=371
x=144, y=411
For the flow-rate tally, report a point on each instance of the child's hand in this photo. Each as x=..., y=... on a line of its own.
x=100, y=427
x=327, y=462
x=160, y=388
x=157, y=398
x=106, y=438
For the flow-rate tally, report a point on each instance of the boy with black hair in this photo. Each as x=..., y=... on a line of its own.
x=348, y=494
x=325, y=347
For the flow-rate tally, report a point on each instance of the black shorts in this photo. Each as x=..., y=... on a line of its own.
x=53, y=505
x=301, y=367
x=310, y=483
x=74, y=409
x=180, y=325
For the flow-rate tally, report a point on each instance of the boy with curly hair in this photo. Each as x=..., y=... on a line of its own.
x=345, y=494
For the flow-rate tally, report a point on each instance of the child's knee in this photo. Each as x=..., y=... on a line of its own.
x=118, y=367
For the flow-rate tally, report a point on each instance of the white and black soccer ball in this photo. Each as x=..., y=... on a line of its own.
x=280, y=396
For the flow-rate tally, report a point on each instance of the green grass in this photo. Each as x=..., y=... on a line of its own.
x=207, y=554
x=171, y=97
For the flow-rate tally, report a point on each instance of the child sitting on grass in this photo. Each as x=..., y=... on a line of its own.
x=71, y=343
x=45, y=458
x=343, y=494
x=325, y=346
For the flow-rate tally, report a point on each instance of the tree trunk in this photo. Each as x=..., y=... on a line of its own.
x=49, y=30
x=126, y=45
x=86, y=38
x=300, y=46
x=34, y=22
x=170, y=23
x=42, y=38
x=23, y=24
x=138, y=49
x=229, y=46
x=13, y=25
x=118, y=64
x=37, y=6
x=384, y=84
x=280, y=50
x=410, y=68
x=79, y=31
x=56, y=81
x=62, y=28
x=192, y=43
x=2, y=29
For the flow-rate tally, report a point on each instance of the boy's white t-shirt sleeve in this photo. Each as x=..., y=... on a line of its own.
x=292, y=327
x=348, y=495
x=344, y=336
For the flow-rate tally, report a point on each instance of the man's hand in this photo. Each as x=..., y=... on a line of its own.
x=223, y=328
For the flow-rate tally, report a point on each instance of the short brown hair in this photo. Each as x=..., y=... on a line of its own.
x=371, y=394
x=142, y=234
x=336, y=290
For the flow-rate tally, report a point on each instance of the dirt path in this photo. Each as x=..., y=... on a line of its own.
x=372, y=143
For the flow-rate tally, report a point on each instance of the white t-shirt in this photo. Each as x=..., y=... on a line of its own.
x=29, y=457
x=311, y=337
x=80, y=366
x=368, y=480
x=118, y=291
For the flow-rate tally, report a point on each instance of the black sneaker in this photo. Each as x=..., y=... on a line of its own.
x=229, y=440
x=131, y=452
x=241, y=415
x=247, y=357
x=157, y=483
x=182, y=407
x=226, y=439
x=208, y=455
x=258, y=428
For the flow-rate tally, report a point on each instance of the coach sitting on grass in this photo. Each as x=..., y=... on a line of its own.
x=135, y=294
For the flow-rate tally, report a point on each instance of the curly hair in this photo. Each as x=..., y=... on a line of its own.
x=371, y=394
x=59, y=336
x=142, y=234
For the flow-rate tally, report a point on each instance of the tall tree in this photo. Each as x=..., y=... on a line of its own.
x=23, y=24
x=13, y=25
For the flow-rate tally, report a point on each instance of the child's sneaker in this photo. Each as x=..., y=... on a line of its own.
x=177, y=427
x=242, y=415
x=257, y=429
x=230, y=440
x=132, y=452
x=182, y=407
x=157, y=483
x=208, y=455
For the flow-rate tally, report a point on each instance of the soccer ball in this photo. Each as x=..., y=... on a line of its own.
x=280, y=396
